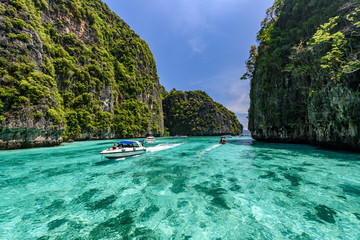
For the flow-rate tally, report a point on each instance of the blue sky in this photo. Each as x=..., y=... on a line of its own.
x=199, y=44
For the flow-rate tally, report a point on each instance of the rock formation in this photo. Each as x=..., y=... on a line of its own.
x=195, y=113
x=72, y=69
x=305, y=75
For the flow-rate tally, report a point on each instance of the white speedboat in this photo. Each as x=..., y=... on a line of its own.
x=150, y=139
x=124, y=149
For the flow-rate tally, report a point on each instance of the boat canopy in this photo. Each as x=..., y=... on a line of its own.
x=129, y=142
x=126, y=142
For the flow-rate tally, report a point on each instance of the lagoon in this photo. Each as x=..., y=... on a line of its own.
x=181, y=188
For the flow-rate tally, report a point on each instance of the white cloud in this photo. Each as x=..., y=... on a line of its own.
x=197, y=44
x=196, y=21
x=240, y=104
x=227, y=86
x=194, y=18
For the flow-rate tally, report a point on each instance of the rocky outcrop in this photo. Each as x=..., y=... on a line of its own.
x=14, y=138
x=195, y=113
x=73, y=70
x=34, y=131
x=305, y=87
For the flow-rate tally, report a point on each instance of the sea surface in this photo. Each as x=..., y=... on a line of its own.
x=181, y=188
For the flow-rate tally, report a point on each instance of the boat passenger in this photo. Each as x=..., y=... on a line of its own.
x=114, y=147
x=223, y=140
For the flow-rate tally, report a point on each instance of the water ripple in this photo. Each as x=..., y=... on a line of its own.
x=191, y=188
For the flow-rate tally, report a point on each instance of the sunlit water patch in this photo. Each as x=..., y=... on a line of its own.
x=190, y=188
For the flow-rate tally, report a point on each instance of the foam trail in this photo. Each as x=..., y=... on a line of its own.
x=211, y=148
x=208, y=149
x=161, y=147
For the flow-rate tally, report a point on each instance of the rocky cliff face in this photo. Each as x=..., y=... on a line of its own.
x=305, y=87
x=195, y=113
x=73, y=70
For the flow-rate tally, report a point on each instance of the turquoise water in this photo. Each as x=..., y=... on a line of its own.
x=188, y=188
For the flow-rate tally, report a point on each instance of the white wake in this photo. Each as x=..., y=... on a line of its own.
x=161, y=147
x=208, y=149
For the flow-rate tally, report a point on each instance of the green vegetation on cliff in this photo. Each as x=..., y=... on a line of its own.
x=74, y=65
x=195, y=113
x=305, y=78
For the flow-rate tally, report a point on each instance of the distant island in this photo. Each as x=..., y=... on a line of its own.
x=195, y=113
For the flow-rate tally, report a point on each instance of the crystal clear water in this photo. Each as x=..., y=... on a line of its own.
x=188, y=188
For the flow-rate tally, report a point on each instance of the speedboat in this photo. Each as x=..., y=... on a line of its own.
x=150, y=139
x=180, y=136
x=124, y=149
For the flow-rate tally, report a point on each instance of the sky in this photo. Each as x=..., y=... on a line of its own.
x=199, y=44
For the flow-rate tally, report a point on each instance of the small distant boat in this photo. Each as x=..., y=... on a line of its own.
x=180, y=136
x=150, y=139
x=223, y=140
x=124, y=149
x=227, y=136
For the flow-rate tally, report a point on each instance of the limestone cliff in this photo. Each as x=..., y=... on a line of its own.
x=72, y=69
x=195, y=113
x=305, y=75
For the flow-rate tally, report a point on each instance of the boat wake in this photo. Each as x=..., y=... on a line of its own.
x=161, y=147
x=208, y=149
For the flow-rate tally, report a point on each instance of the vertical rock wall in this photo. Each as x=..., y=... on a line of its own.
x=73, y=70
x=306, y=88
